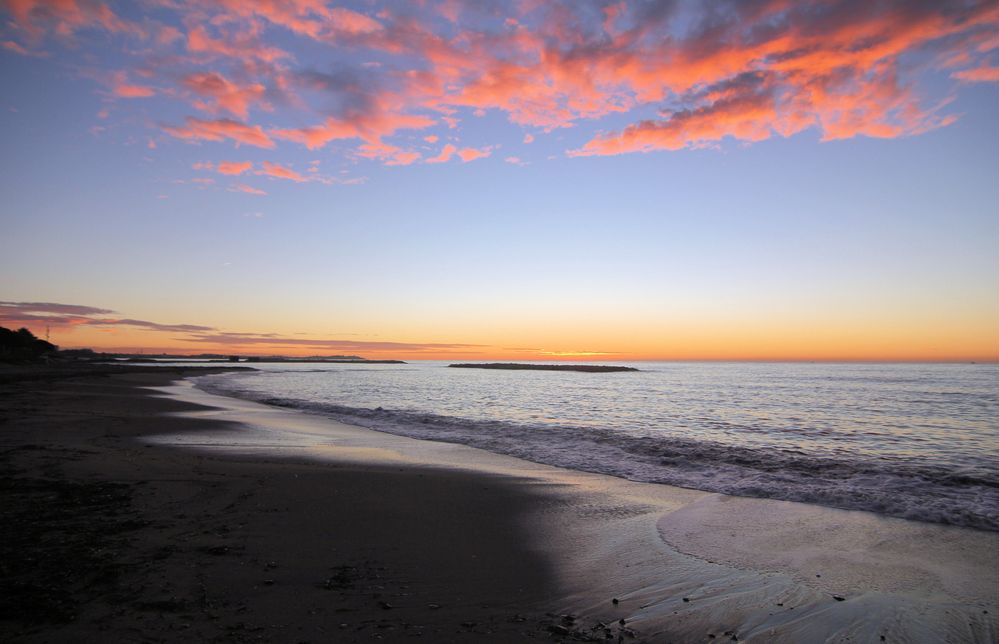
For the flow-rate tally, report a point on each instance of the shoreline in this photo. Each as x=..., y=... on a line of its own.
x=683, y=564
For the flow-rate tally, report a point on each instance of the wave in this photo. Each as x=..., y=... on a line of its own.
x=889, y=486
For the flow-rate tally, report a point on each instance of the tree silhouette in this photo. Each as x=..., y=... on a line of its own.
x=22, y=346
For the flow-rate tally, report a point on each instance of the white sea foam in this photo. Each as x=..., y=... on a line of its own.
x=912, y=441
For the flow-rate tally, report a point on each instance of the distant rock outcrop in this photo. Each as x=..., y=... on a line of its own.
x=589, y=368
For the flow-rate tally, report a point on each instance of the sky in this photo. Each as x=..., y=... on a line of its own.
x=449, y=179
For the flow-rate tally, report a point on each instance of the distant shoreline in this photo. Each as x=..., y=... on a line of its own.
x=515, y=366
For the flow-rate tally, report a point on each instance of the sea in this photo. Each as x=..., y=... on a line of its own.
x=917, y=441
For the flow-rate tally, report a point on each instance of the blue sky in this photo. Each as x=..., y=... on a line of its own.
x=733, y=244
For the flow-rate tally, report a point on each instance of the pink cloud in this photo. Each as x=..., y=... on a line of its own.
x=984, y=74
x=370, y=126
x=220, y=94
x=123, y=89
x=64, y=18
x=388, y=154
x=10, y=45
x=281, y=172
x=471, y=154
x=317, y=136
x=233, y=167
x=310, y=18
x=739, y=71
x=352, y=22
x=219, y=130
x=134, y=91
x=239, y=46
x=250, y=190
x=445, y=155
x=465, y=154
x=167, y=35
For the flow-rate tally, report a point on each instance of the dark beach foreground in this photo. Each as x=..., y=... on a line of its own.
x=138, y=510
x=105, y=538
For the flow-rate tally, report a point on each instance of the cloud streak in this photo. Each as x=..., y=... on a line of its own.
x=35, y=314
x=281, y=172
x=196, y=129
x=249, y=340
x=50, y=313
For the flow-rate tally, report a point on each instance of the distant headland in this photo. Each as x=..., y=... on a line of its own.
x=589, y=368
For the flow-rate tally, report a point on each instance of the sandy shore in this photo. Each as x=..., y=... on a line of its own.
x=168, y=514
x=108, y=539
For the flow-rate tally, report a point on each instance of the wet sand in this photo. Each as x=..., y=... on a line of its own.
x=215, y=519
x=106, y=538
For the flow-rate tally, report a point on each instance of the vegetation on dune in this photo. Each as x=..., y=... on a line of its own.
x=23, y=346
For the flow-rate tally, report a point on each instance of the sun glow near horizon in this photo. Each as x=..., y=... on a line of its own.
x=629, y=341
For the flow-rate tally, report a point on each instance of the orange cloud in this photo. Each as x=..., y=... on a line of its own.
x=234, y=167
x=281, y=172
x=221, y=94
x=445, y=155
x=317, y=136
x=231, y=168
x=982, y=74
x=371, y=127
x=389, y=154
x=17, y=48
x=465, y=154
x=310, y=18
x=219, y=130
x=167, y=35
x=133, y=91
x=369, y=114
x=351, y=22
x=123, y=89
x=836, y=68
x=471, y=154
x=66, y=17
x=822, y=63
x=250, y=190
x=240, y=46
x=675, y=76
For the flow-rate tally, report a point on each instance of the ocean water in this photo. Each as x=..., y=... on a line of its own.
x=919, y=441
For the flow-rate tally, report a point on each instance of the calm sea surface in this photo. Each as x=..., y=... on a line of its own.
x=917, y=441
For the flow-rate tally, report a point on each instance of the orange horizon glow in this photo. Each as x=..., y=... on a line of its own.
x=788, y=338
x=733, y=349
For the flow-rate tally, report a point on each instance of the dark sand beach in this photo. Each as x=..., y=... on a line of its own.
x=138, y=508
x=107, y=539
